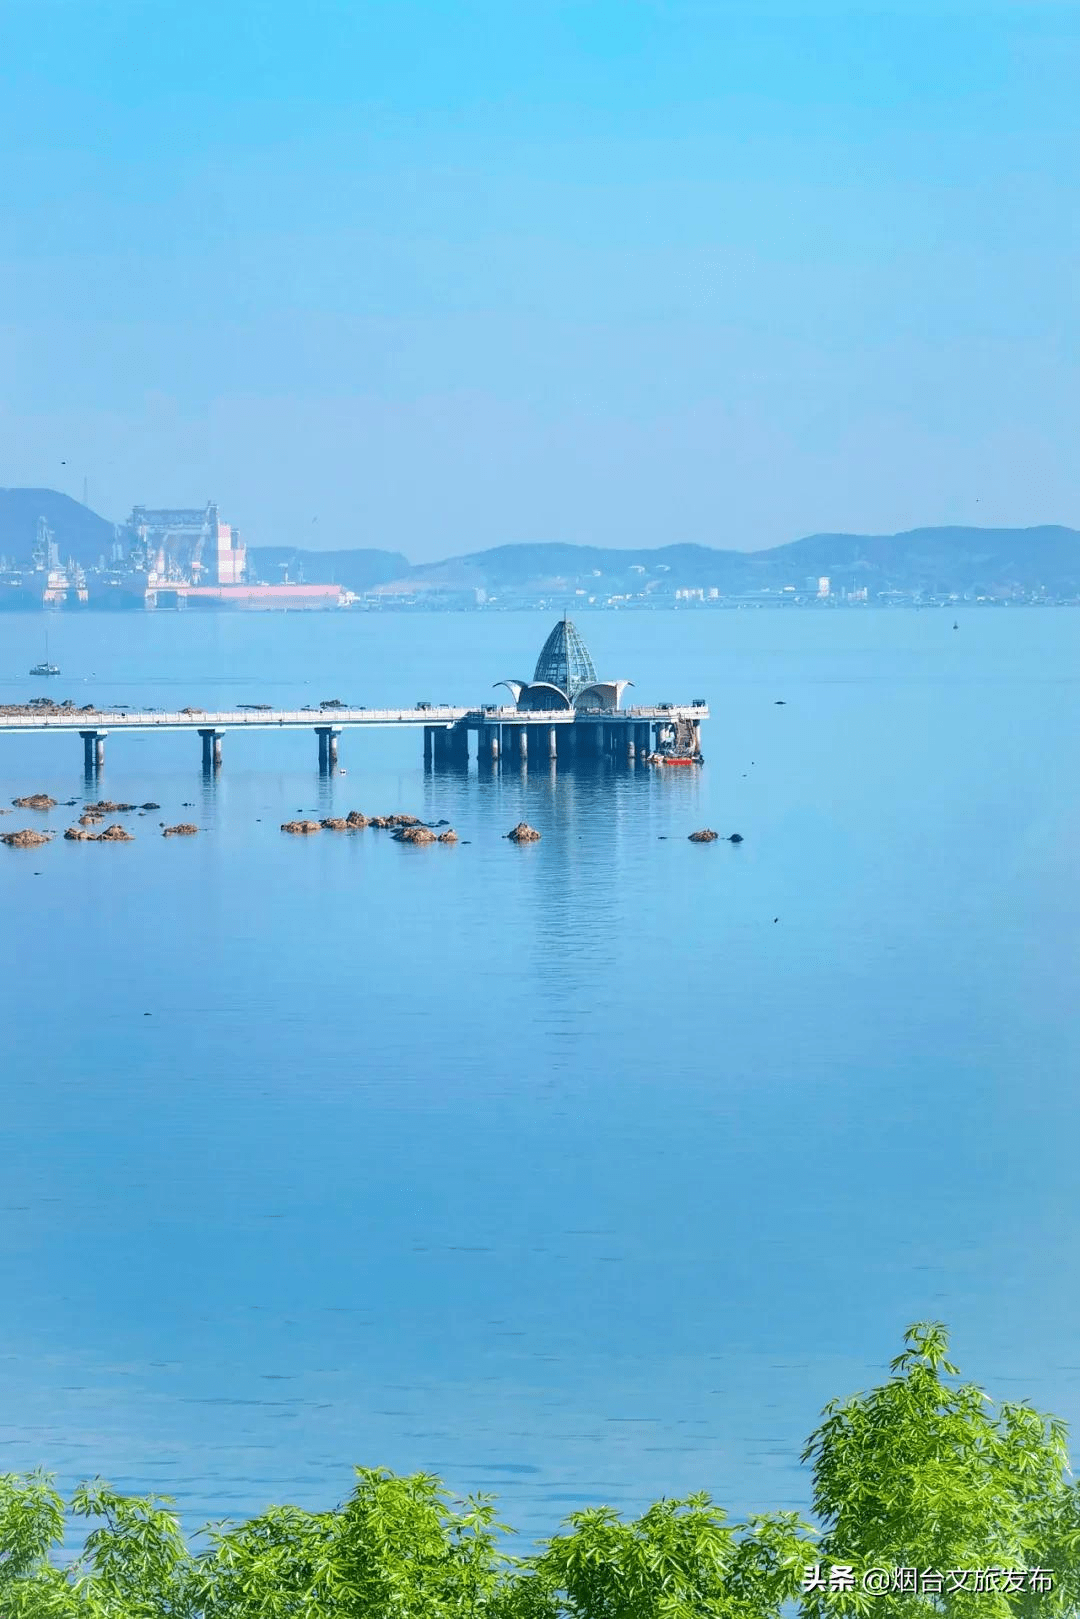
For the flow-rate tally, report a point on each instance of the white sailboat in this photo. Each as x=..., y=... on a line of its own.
x=45, y=668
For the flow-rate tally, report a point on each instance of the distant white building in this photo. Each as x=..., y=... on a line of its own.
x=823, y=587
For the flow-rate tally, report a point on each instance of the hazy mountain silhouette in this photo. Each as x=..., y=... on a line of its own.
x=934, y=560
x=356, y=570
x=79, y=532
x=937, y=560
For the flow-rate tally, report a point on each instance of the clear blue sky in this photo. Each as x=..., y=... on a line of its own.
x=437, y=276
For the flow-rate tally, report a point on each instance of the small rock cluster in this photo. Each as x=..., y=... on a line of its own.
x=523, y=833
x=24, y=839
x=38, y=705
x=405, y=828
x=707, y=835
x=111, y=834
x=93, y=815
x=185, y=829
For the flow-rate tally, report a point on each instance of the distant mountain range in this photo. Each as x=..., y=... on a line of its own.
x=358, y=570
x=936, y=561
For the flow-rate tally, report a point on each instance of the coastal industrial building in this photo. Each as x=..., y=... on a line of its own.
x=188, y=557
x=185, y=545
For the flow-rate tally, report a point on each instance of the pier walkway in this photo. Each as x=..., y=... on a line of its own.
x=563, y=712
x=548, y=733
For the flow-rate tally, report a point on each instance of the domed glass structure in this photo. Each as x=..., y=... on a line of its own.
x=564, y=661
x=565, y=677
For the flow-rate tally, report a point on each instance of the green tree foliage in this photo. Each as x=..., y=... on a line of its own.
x=924, y=1473
x=680, y=1560
x=919, y=1474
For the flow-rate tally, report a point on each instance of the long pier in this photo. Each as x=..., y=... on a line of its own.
x=630, y=734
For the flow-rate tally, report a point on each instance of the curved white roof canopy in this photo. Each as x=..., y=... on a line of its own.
x=604, y=694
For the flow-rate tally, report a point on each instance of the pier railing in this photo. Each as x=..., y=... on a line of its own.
x=77, y=719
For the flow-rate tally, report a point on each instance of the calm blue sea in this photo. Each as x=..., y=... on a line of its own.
x=586, y=1171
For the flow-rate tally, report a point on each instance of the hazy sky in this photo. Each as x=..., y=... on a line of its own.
x=436, y=276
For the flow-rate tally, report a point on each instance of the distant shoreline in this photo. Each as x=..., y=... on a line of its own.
x=429, y=610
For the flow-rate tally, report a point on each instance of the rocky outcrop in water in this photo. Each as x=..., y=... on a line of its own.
x=184, y=829
x=35, y=801
x=112, y=834
x=106, y=806
x=25, y=839
x=524, y=833
x=706, y=835
x=334, y=823
x=355, y=820
x=301, y=828
x=414, y=834
x=736, y=837
x=449, y=836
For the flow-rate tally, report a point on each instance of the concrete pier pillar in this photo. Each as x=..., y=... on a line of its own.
x=93, y=751
x=427, y=746
x=553, y=742
x=495, y=735
x=459, y=745
x=523, y=743
x=631, y=751
x=328, y=747
x=211, y=749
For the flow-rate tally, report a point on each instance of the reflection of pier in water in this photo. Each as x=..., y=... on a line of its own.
x=563, y=714
x=579, y=890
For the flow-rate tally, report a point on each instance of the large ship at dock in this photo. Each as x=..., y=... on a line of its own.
x=47, y=582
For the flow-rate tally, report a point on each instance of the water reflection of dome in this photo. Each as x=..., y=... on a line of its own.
x=565, y=677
